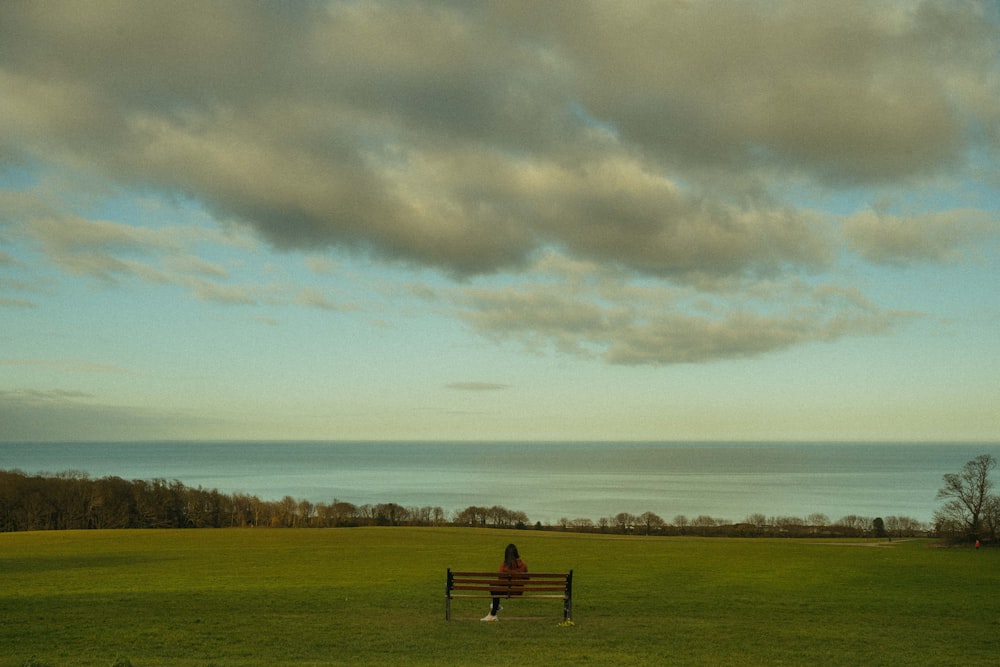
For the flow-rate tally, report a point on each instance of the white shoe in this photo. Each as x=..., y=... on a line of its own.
x=489, y=617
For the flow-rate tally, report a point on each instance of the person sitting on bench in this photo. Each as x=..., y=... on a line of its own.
x=511, y=563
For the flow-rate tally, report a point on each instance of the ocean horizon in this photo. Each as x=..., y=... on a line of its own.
x=548, y=481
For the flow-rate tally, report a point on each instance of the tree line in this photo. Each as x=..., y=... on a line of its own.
x=73, y=501
x=754, y=525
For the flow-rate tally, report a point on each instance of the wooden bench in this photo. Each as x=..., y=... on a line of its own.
x=555, y=585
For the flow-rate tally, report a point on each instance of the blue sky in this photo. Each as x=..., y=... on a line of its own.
x=564, y=220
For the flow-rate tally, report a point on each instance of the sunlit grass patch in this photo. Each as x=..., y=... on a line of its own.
x=376, y=596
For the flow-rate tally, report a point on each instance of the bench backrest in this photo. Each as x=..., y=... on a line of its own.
x=464, y=584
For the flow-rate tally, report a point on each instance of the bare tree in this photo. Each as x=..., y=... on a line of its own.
x=991, y=516
x=788, y=524
x=651, y=522
x=344, y=512
x=287, y=512
x=306, y=512
x=966, y=495
x=438, y=515
x=903, y=526
x=854, y=523
x=625, y=522
x=473, y=516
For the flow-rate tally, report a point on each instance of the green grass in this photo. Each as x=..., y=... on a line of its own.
x=376, y=596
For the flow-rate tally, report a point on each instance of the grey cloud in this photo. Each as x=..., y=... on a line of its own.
x=36, y=396
x=477, y=386
x=102, y=249
x=207, y=290
x=849, y=92
x=72, y=233
x=916, y=239
x=631, y=325
x=620, y=211
x=190, y=264
x=679, y=338
x=654, y=132
x=32, y=287
x=64, y=365
x=315, y=298
x=538, y=317
x=320, y=265
x=61, y=414
x=7, y=302
x=113, y=252
x=587, y=142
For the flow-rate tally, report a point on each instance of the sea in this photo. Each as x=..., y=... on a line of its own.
x=548, y=481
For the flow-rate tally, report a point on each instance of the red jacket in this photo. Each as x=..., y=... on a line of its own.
x=518, y=566
x=510, y=587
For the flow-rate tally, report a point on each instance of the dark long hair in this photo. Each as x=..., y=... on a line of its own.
x=510, y=555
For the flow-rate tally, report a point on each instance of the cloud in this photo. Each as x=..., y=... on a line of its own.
x=66, y=365
x=321, y=265
x=469, y=137
x=608, y=317
x=69, y=415
x=632, y=174
x=916, y=239
x=192, y=265
x=7, y=302
x=99, y=248
x=35, y=396
x=115, y=253
x=207, y=290
x=844, y=92
x=315, y=298
x=477, y=386
x=112, y=252
x=19, y=286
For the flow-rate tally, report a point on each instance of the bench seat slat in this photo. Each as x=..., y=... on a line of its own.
x=509, y=591
x=503, y=575
x=528, y=597
x=508, y=585
x=505, y=585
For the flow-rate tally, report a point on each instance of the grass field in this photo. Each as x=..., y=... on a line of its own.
x=376, y=596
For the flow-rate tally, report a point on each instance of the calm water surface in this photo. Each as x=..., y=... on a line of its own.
x=547, y=481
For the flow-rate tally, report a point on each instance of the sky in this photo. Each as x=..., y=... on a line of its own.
x=368, y=220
